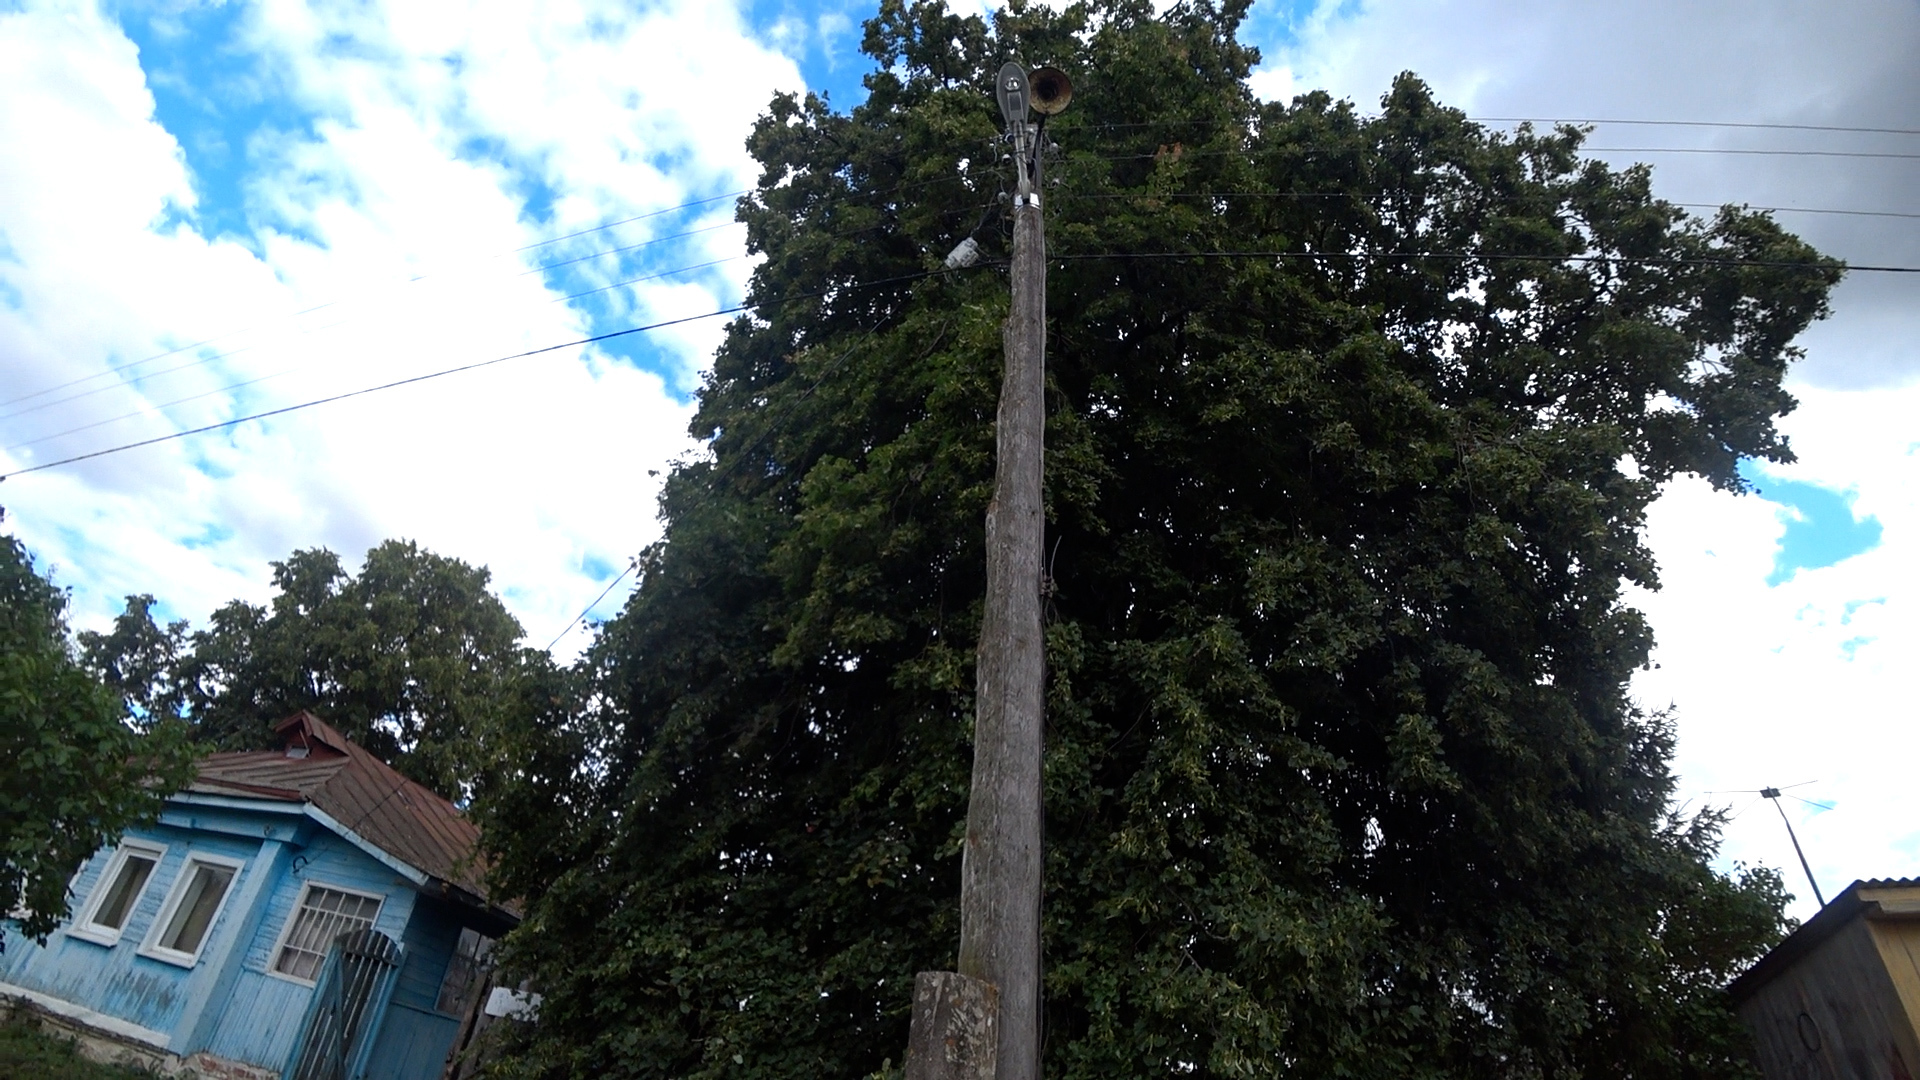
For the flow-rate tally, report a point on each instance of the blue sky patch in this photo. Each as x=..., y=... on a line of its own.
x=1821, y=526
x=1278, y=24
x=825, y=41
x=216, y=99
x=598, y=568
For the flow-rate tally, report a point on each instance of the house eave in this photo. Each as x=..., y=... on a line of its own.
x=269, y=805
x=407, y=870
x=257, y=803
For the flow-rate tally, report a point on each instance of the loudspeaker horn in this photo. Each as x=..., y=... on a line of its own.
x=1050, y=90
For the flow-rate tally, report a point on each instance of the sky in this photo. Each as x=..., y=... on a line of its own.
x=209, y=210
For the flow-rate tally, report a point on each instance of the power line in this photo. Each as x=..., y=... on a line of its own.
x=543, y=267
x=249, y=382
x=716, y=262
x=1699, y=123
x=130, y=365
x=1474, y=197
x=1749, y=125
x=631, y=220
x=1468, y=256
x=476, y=365
x=1442, y=255
x=243, y=384
x=747, y=191
x=148, y=410
x=118, y=368
x=156, y=374
x=1736, y=150
x=646, y=277
x=1328, y=148
x=632, y=564
x=121, y=368
x=743, y=455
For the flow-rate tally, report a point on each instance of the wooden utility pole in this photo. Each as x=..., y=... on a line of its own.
x=983, y=1023
x=1001, y=862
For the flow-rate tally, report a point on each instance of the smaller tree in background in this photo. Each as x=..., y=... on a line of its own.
x=76, y=769
x=413, y=658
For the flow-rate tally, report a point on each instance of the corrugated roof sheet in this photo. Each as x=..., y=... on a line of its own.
x=361, y=792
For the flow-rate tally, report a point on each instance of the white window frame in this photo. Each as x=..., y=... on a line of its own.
x=176, y=892
x=83, y=926
x=293, y=916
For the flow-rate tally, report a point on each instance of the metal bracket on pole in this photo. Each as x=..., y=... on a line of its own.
x=1010, y=89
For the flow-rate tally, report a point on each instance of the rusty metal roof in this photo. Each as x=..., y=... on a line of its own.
x=322, y=768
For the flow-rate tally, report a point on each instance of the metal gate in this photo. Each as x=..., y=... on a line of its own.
x=347, y=1003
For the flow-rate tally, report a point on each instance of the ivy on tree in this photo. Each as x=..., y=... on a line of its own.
x=1343, y=773
x=76, y=771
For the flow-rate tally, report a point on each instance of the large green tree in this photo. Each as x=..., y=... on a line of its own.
x=75, y=769
x=413, y=657
x=1353, y=423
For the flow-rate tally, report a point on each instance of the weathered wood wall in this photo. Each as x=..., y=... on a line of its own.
x=230, y=1004
x=1846, y=1007
x=114, y=980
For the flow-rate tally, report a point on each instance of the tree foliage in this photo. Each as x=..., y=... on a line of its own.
x=413, y=657
x=1343, y=776
x=74, y=773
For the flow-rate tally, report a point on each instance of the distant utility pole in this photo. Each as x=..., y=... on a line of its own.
x=1000, y=865
x=1773, y=793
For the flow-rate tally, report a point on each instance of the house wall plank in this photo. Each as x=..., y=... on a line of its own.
x=115, y=980
x=430, y=938
x=1834, y=1015
x=262, y=1019
x=229, y=1004
x=413, y=1043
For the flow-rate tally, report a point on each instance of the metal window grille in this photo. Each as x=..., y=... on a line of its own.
x=324, y=915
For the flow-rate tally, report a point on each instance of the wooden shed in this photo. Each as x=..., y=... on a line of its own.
x=1839, y=999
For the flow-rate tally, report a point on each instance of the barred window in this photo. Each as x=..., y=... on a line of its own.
x=323, y=914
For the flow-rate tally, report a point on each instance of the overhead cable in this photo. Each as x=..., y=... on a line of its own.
x=476, y=365
x=1747, y=125
x=744, y=455
x=118, y=368
x=1465, y=197
x=1700, y=123
x=147, y=410
x=1470, y=256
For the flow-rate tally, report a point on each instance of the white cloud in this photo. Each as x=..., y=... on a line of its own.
x=1810, y=679
x=424, y=124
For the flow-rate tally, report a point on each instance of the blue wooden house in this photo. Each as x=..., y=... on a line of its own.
x=303, y=912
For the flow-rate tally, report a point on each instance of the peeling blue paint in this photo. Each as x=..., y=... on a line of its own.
x=229, y=1004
